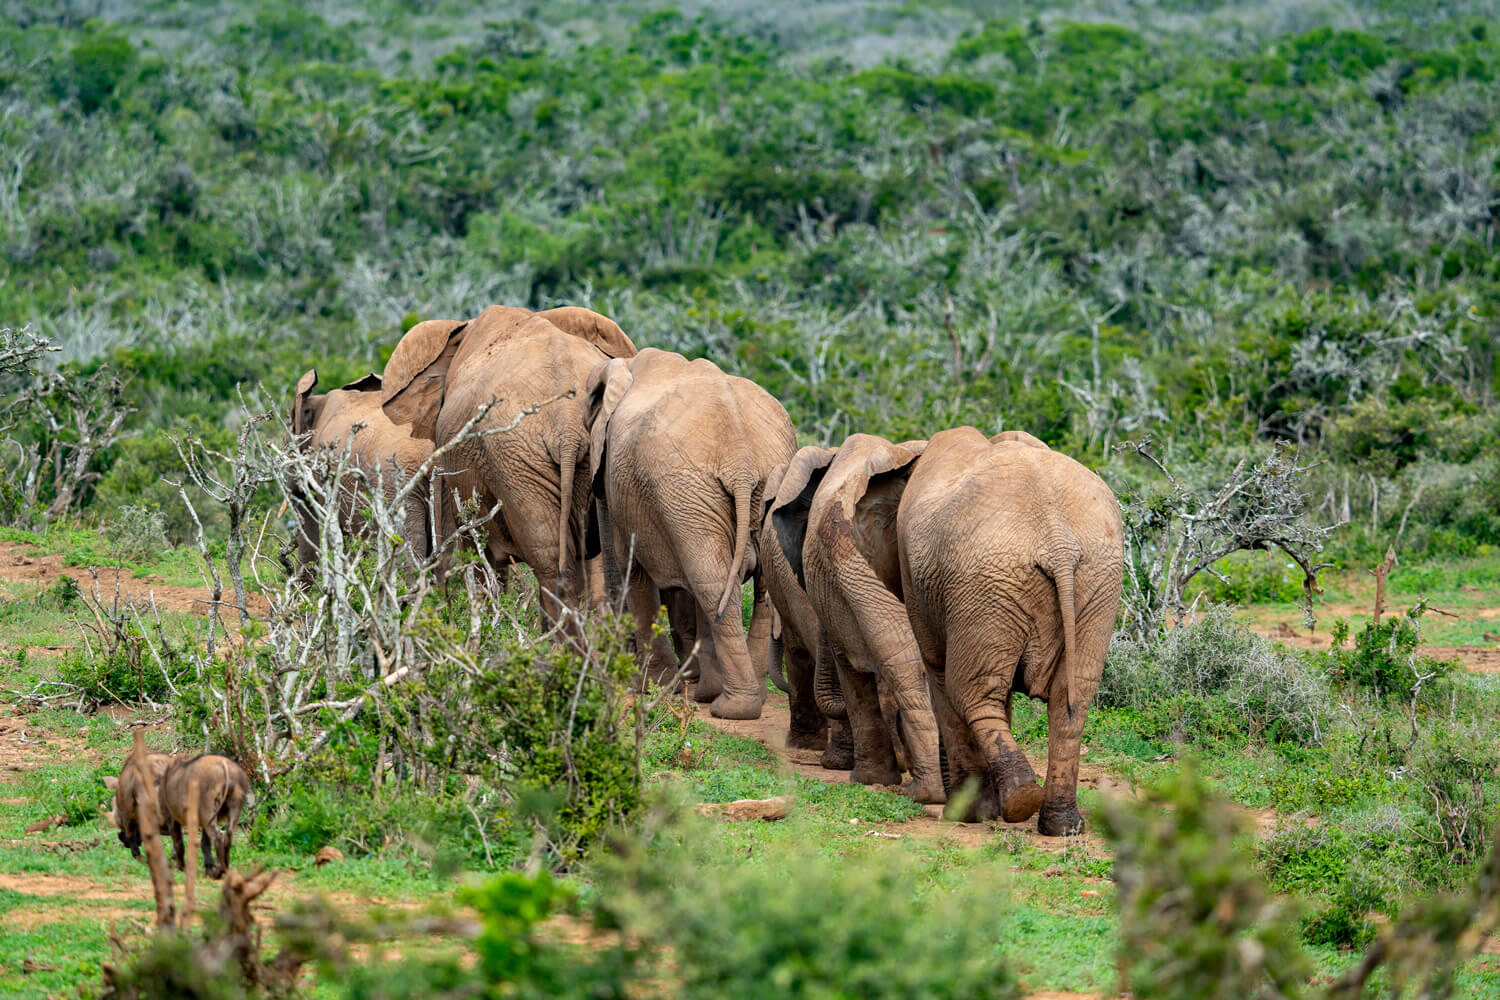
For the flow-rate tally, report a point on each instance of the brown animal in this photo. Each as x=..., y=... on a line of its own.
x=216, y=788
x=135, y=784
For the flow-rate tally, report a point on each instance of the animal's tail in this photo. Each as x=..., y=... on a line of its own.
x=1062, y=577
x=741, y=491
x=568, y=460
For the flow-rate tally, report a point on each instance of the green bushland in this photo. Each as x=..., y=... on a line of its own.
x=1089, y=192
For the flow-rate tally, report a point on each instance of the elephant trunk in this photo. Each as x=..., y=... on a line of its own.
x=826, y=691
x=614, y=575
x=777, y=671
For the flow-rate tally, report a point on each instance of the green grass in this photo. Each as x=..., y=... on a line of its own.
x=1059, y=925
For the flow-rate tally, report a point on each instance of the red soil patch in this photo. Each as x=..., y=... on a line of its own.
x=18, y=564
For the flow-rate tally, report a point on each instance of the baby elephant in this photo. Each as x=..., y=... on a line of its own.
x=212, y=790
x=132, y=786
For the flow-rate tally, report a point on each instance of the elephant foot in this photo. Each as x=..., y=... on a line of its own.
x=971, y=799
x=1060, y=821
x=925, y=792
x=1021, y=802
x=866, y=774
x=840, y=753
x=705, y=690
x=727, y=707
x=837, y=758
x=814, y=740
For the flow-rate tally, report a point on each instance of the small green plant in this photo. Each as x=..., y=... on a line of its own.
x=137, y=533
x=1384, y=658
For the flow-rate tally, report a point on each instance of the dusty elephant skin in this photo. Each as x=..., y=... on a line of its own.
x=793, y=648
x=213, y=788
x=379, y=448
x=834, y=519
x=443, y=371
x=1011, y=561
x=136, y=784
x=679, y=454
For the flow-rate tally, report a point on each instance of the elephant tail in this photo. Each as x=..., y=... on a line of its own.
x=741, y=491
x=1062, y=578
x=568, y=463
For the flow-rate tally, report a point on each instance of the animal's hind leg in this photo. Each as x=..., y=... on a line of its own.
x=981, y=664
x=178, y=853
x=208, y=854
x=961, y=761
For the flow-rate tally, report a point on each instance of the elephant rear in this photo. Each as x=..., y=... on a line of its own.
x=1011, y=562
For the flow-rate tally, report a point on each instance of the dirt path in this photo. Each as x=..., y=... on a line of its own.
x=19, y=563
x=770, y=732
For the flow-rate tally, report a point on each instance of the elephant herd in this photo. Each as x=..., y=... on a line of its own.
x=903, y=592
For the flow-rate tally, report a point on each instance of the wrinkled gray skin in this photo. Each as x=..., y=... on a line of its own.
x=680, y=452
x=834, y=518
x=796, y=634
x=439, y=376
x=328, y=419
x=1011, y=559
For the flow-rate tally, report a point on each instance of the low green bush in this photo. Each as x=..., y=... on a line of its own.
x=1213, y=677
x=1384, y=658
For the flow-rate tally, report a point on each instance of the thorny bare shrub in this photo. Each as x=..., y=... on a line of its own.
x=20, y=350
x=1274, y=692
x=1172, y=535
x=63, y=424
x=422, y=660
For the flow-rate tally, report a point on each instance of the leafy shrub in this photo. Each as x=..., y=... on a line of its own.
x=1384, y=658
x=126, y=673
x=1308, y=860
x=1457, y=770
x=136, y=533
x=101, y=61
x=1215, y=667
x=799, y=924
x=1194, y=921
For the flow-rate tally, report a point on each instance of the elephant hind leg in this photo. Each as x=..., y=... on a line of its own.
x=652, y=648
x=980, y=669
x=966, y=779
x=874, y=756
x=808, y=729
x=1060, y=816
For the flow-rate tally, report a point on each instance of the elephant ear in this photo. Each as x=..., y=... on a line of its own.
x=887, y=470
x=370, y=383
x=799, y=484
x=411, y=390
x=768, y=492
x=601, y=331
x=1020, y=437
x=607, y=385
x=300, y=409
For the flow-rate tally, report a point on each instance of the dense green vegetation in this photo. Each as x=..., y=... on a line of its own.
x=1217, y=226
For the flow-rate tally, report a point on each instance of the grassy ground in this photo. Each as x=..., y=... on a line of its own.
x=63, y=890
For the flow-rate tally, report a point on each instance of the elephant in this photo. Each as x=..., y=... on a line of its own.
x=679, y=452
x=328, y=420
x=443, y=371
x=795, y=635
x=831, y=518
x=1011, y=560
